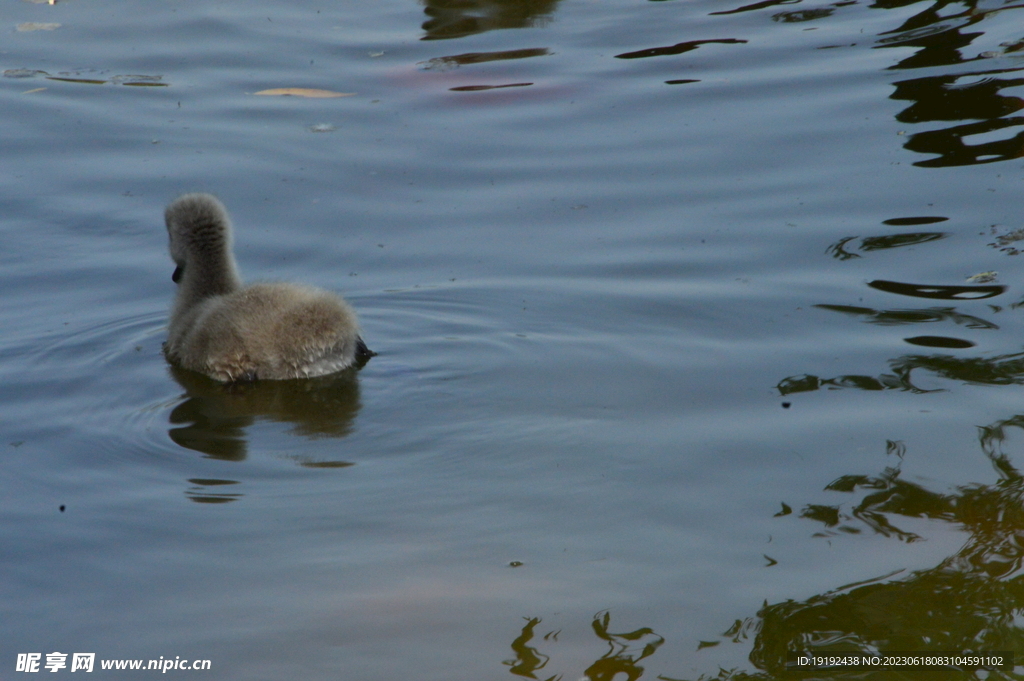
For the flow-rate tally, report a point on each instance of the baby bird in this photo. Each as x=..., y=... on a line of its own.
x=232, y=332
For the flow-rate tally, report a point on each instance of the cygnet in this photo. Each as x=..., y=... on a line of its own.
x=232, y=332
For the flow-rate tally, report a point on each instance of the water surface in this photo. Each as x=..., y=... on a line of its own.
x=698, y=330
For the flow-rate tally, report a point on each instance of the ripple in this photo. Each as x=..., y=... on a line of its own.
x=104, y=382
x=102, y=343
x=937, y=291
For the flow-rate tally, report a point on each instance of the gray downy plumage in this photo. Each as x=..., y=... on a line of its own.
x=232, y=332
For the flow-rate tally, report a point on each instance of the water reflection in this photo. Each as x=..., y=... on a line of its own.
x=456, y=60
x=478, y=88
x=939, y=291
x=624, y=653
x=911, y=316
x=940, y=39
x=756, y=6
x=205, y=491
x=460, y=18
x=798, y=16
x=678, y=48
x=998, y=370
x=214, y=417
x=914, y=220
x=982, y=131
x=940, y=342
x=952, y=98
x=528, y=659
x=841, y=250
x=968, y=602
x=952, y=148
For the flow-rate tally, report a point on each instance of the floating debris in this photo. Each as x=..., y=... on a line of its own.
x=982, y=278
x=1003, y=241
x=304, y=92
x=322, y=127
x=68, y=79
x=37, y=26
x=81, y=77
x=139, y=81
x=23, y=73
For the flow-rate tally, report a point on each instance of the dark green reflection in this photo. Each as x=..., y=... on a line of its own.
x=477, y=88
x=911, y=316
x=972, y=97
x=803, y=15
x=841, y=250
x=528, y=660
x=999, y=370
x=456, y=60
x=955, y=98
x=940, y=342
x=941, y=34
x=214, y=417
x=940, y=37
x=918, y=220
x=678, y=48
x=459, y=18
x=619, y=663
x=625, y=650
x=940, y=291
x=756, y=6
x=971, y=601
x=948, y=144
x=204, y=491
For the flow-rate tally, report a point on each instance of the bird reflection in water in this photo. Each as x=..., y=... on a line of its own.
x=214, y=417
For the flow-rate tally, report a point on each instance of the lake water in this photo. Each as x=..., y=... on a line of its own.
x=699, y=329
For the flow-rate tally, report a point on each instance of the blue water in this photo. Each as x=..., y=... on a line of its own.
x=641, y=406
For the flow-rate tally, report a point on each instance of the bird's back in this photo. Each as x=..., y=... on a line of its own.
x=269, y=331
